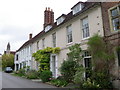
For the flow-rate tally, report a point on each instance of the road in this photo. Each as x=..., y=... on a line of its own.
x=0, y=80
x=10, y=81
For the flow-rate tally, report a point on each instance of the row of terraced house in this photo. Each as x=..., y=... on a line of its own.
x=84, y=20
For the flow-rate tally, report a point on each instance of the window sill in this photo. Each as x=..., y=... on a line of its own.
x=114, y=31
x=68, y=44
x=85, y=38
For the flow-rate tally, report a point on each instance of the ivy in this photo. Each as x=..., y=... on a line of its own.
x=118, y=49
x=43, y=57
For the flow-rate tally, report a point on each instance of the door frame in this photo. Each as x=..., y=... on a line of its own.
x=56, y=65
x=88, y=57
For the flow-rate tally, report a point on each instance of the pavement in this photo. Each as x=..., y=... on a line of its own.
x=10, y=81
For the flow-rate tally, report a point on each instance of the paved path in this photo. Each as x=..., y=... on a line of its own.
x=9, y=81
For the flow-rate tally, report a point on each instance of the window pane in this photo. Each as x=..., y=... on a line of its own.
x=69, y=34
x=86, y=54
x=87, y=62
x=116, y=24
x=43, y=43
x=54, y=39
x=17, y=57
x=37, y=45
x=85, y=27
x=114, y=12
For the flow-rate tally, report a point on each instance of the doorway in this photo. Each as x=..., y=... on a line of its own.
x=53, y=65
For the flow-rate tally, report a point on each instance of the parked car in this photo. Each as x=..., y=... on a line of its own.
x=8, y=69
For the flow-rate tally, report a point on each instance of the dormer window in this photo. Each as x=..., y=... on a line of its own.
x=60, y=19
x=47, y=28
x=77, y=8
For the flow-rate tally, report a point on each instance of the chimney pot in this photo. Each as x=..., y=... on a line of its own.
x=30, y=36
x=48, y=17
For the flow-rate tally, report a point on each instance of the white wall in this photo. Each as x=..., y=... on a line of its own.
x=95, y=26
x=24, y=55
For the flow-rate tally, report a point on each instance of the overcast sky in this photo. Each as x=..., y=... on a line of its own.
x=19, y=18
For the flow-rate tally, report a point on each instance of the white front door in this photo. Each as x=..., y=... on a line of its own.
x=53, y=65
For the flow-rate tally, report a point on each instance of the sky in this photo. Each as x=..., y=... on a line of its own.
x=19, y=18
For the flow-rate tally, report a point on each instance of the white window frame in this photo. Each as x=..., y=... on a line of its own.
x=56, y=64
x=60, y=20
x=85, y=28
x=69, y=34
x=47, y=28
x=77, y=8
x=111, y=18
x=54, y=39
x=37, y=45
x=86, y=56
x=43, y=43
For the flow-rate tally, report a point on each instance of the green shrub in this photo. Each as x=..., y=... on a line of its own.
x=103, y=79
x=15, y=72
x=68, y=69
x=32, y=74
x=98, y=80
x=90, y=84
x=61, y=78
x=7, y=61
x=78, y=77
x=46, y=75
x=59, y=83
x=21, y=72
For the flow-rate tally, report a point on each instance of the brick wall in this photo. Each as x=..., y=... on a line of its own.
x=48, y=17
x=113, y=38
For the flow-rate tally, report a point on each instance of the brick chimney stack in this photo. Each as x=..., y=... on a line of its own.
x=30, y=36
x=48, y=17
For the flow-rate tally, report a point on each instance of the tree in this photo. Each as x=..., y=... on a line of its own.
x=102, y=57
x=75, y=53
x=70, y=66
x=7, y=60
x=100, y=52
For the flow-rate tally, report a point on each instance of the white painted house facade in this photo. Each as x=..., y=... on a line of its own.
x=78, y=26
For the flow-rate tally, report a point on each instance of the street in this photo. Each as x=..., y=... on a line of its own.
x=10, y=81
x=0, y=80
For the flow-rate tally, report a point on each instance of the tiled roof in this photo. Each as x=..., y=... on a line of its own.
x=63, y=15
x=12, y=52
x=69, y=16
x=31, y=40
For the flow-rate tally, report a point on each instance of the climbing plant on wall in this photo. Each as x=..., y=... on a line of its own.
x=43, y=57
